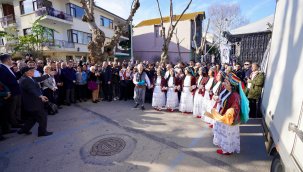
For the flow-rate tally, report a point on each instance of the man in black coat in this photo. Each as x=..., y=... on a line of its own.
x=33, y=103
x=107, y=82
x=12, y=104
x=69, y=80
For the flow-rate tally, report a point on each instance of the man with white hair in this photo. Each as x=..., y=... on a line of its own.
x=140, y=80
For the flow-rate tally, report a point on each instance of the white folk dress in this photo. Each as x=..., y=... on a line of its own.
x=198, y=101
x=172, y=101
x=206, y=102
x=187, y=98
x=227, y=137
x=158, y=95
x=213, y=101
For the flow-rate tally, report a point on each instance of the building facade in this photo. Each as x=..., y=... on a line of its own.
x=148, y=40
x=249, y=43
x=70, y=35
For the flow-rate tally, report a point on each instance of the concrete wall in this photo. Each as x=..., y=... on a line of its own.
x=149, y=47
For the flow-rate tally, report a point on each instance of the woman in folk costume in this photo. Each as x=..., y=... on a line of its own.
x=216, y=90
x=233, y=109
x=172, y=101
x=198, y=98
x=179, y=81
x=208, y=96
x=188, y=89
x=160, y=88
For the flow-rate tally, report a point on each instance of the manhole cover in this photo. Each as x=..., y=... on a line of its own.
x=108, y=149
x=108, y=146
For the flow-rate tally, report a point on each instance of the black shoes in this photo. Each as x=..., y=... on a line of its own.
x=45, y=134
x=142, y=108
x=136, y=106
x=24, y=132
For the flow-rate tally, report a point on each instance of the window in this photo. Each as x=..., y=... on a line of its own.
x=79, y=37
x=28, y=6
x=158, y=31
x=48, y=34
x=106, y=22
x=27, y=31
x=75, y=11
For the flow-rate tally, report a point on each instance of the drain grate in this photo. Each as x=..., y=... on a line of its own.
x=108, y=146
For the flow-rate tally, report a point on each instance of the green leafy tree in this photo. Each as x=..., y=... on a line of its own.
x=33, y=42
x=3, y=34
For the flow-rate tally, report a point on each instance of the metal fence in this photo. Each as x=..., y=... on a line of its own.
x=7, y=20
x=59, y=44
x=54, y=13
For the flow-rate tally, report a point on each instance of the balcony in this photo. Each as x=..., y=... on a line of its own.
x=59, y=44
x=54, y=15
x=7, y=21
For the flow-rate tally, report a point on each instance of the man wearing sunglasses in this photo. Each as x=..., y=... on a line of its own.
x=247, y=70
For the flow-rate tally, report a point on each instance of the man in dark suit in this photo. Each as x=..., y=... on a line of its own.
x=107, y=81
x=33, y=103
x=12, y=104
x=69, y=80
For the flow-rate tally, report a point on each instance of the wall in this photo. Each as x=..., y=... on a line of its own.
x=149, y=47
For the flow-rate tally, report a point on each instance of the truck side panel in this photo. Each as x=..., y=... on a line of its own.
x=283, y=91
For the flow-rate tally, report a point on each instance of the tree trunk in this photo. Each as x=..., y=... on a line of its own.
x=98, y=51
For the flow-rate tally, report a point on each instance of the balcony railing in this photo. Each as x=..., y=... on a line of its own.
x=54, y=13
x=7, y=20
x=59, y=44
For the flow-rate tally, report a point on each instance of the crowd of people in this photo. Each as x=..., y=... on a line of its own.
x=211, y=92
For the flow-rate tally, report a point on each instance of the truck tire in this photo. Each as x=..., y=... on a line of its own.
x=277, y=164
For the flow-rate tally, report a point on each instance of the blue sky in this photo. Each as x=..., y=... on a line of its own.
x=252, y=9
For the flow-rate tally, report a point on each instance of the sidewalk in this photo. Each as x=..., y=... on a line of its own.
x=154, y=141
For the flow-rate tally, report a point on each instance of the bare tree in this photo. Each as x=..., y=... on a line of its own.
x=201, y=47
x=225, y=17
x=167, y=38
x=97, y=48
x=178, y=44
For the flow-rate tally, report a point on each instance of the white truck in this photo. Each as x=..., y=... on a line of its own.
x=282, y=99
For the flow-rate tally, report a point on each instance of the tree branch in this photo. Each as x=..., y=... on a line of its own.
x=204, y=38
x=162, y=23
x=195, y=34
x=171, y=13
x=182, y=13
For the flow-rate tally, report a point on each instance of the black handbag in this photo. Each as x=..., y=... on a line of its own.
x=51, y=108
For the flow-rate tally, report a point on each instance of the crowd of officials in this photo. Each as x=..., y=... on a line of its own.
x=29, y=86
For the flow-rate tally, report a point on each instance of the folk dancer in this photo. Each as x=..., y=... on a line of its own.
x=216, y=90
x=198, y=99
x=233, y=109
x=188, y=89
x=172, y=101
x=160, y=88
x=208, y=96
x=140, y=80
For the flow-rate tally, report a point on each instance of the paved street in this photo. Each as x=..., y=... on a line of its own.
x=153, y=141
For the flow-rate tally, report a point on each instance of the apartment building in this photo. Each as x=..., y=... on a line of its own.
x=70, y=34
x=148, y=40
